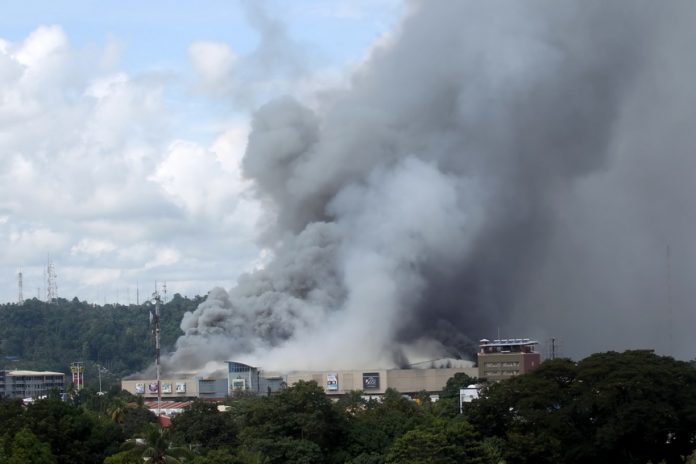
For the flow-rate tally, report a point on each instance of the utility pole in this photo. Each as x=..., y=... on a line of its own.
x=156, y=320
x=100, y=370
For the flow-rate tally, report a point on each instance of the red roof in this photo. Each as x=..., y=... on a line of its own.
x=165, y=422
x=167, y=404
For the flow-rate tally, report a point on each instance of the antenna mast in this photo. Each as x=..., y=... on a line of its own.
x=20, y=290
x=51, y=282
x=156, y=320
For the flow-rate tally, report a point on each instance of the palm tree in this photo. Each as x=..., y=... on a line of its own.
x=155, y=447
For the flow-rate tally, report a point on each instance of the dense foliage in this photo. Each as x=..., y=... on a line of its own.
x=631, y=407
x=38, y=335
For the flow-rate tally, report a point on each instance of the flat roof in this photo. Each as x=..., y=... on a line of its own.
x=508, y=342
x=33, y=373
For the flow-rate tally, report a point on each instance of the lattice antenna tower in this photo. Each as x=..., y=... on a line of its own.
x=20, y=289
x=51, y=282
x=164, y=290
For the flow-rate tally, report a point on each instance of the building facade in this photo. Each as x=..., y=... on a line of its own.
x=374, y=382
x=30, y=384
x=245, y=379
x=178, y=388
x=505, y=358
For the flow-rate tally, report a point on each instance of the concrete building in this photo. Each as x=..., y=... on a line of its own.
x=243, y=378
x=178, y=388
x=502, y=359
x=30, y=384
x=374, y=382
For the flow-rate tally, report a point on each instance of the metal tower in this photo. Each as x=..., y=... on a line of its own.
x=155, y=319
x=77, y=369
x=20, y=290
x=51, y=282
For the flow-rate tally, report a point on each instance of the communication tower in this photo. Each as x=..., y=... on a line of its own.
x=51, y=282
x=20, y=290
x=155, y=319
x=78, y=375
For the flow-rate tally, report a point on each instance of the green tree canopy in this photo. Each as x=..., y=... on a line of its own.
x=439, y=442
x=631, y=407
x=201, y=424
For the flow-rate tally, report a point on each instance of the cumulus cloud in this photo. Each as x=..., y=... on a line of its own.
x=92, y=168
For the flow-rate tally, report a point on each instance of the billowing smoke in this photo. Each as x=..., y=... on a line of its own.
x=478, y=174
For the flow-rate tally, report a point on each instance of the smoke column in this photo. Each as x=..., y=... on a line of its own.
x=481, y=171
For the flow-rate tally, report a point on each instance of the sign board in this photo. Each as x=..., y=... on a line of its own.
x=180, y=387
x=140, y=388
x=238, y=384
x=370, y=380
x=332, y=382
x=152, y=388
x=166, y=388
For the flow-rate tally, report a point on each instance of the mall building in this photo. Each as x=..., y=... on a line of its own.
x=245, y=379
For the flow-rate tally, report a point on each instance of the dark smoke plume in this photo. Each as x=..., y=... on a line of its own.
x=483, y=171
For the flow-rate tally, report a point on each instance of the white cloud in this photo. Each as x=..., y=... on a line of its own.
x=93, y=246
x=94, y=173
x=164, y=257
x=213, y=62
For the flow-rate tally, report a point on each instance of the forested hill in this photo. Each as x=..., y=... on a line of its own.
x=39, y=335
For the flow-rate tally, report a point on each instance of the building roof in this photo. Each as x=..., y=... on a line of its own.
x=509, y=342
x=167, y=404
x=32, y=373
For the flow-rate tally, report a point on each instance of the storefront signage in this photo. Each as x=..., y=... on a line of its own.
x=371, y=380
x=331, y=382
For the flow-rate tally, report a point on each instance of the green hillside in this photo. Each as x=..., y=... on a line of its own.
x=39, y=335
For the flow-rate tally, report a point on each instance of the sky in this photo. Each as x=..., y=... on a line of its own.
x=123, y=125
x=446, y=170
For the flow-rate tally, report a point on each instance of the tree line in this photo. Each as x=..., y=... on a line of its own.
x=49, y=336
x=632, y=407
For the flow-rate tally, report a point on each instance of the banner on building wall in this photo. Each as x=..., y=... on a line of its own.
x=152, y=388
x=331, y=382
x=180, y=387
x=238, y=384
x=370, y=380
x=140, y=388
x=166, y=388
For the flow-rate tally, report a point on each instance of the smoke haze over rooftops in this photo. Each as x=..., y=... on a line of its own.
x=513, y=165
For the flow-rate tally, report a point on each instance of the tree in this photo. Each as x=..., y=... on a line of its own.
x=440, y=442
x=25, y=448
x=373, y=429
x=201, y=424
x=75, y=435
x=156, y=446
x=631, y=407
x=448, y=404
x=300, y=421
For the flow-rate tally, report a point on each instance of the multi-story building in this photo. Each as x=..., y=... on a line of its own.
x=502, y=359
x=30, y=384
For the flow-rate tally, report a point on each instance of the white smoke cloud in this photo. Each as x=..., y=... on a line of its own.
x=427, y=204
